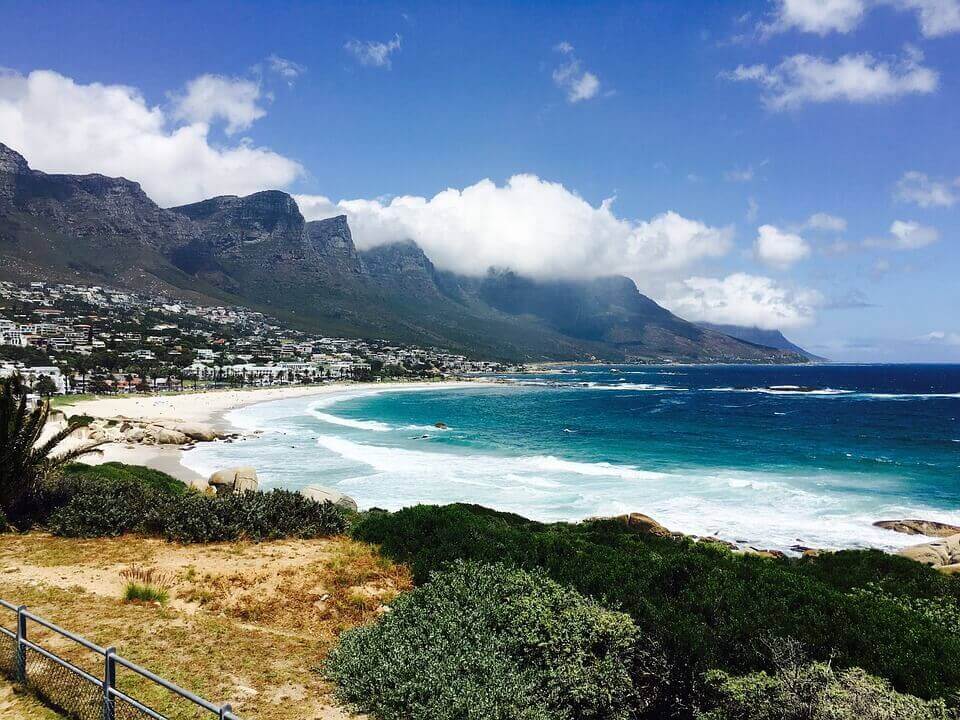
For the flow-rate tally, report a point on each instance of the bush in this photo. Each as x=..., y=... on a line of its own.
x=709, y=609
x=253, y=516
x=479, y=642
x=813, y=692
x=106, y=508
x=118, y=503
x=79, y=472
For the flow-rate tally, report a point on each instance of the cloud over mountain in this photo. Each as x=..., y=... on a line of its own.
x=532, y=226
x=65, y=126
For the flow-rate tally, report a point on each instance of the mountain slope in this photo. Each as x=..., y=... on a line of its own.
x=758, y=336
x=258, y=251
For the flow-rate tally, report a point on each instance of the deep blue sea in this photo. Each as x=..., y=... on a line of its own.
x=770, y=455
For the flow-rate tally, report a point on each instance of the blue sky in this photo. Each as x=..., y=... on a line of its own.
x=791, y=164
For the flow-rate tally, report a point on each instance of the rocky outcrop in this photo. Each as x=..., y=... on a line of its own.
x=942, y=554
x=239, y=479
x=146, y=431
x=931, y=528
x=643, y=524
x=325, y=494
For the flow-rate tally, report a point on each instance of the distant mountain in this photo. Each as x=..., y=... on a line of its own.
x=758, y=336
x=258, y=251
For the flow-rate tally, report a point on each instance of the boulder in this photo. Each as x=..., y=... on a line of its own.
x=201, y=485
x=198, y=431
x=234, y=480
x=170, y=437
x=939, y=553
x=325, y=494
x=643, y=523
x=931, y=528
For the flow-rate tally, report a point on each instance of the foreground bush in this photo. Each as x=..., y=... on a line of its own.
x=482, y=642
x=709, y=609
x=814, y=692
x=123, y=500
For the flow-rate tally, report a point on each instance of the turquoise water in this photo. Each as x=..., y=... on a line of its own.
x=779, y=456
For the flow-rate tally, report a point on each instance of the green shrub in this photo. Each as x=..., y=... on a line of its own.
x=709, y=609
x=479, y=642
x=813, y=692
x=118, y=504
x=106, y=508
x=79, y=472
x=135, y=592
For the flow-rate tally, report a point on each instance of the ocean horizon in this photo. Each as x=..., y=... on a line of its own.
x=773, y=456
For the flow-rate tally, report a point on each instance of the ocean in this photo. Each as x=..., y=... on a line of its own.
x=774, y=456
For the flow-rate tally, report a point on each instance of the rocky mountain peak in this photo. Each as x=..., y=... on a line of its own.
x=12, y=162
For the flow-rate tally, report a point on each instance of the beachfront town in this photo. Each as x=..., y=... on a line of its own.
x=64, y=339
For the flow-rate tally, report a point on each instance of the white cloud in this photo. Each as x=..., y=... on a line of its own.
x=64, y=126
x=532, y=226
x=816, y=16
x=908, y=235
x=825, y=222
x=916, y=187
x=742, y=299
x=861, y=78
x=372, y=52
x=287, y=69
x=778, y=248
x=941, y=337
x=211, y=97
x=936, y=17
x=905, y=235
x=577, y=83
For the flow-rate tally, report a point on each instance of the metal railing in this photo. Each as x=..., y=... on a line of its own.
x=76, y=691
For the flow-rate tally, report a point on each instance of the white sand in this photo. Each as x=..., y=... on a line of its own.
x=207, y=407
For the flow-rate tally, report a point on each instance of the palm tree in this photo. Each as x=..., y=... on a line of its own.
x=26, y=459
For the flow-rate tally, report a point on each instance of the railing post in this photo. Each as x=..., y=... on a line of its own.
x=109, y=682
x=21, y=648
x=225, y=711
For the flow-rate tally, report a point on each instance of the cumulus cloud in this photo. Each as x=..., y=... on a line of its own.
x=905, y=235
x=742, y=299
x=778, y=248
x=816, y=16
x=569, y=76
x=532, y=226
x=825, y=222
x=374, y=53
x=211, y=97
x=917, y=187
x=64, y=126
x=861, y=78
x=936, y=17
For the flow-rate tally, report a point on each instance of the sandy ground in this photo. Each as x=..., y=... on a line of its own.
x=208, y=407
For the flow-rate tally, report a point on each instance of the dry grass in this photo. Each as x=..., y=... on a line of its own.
x=245, y=623
x=17, y=704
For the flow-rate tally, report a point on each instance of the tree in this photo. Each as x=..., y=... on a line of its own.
x=25, y=461
x=45, y=386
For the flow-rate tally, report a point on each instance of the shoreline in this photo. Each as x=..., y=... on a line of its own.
x=207, y=407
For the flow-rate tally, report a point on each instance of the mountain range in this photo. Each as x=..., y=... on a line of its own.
x=258, y=251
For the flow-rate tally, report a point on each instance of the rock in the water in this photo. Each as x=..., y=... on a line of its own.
x=325, y=494
x=441, y=426
x=939, y=553
x=234, y=480
x=931, y=528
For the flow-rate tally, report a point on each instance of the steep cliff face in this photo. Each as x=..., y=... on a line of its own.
x=257, y=250
x=758, y=336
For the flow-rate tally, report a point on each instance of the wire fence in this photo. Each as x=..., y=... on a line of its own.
x=85, y=686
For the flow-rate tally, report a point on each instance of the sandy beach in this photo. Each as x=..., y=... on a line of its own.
x=206, y=407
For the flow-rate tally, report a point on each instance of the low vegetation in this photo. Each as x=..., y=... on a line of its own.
x=145, y=585
x=708, y=608
x=488, y=641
